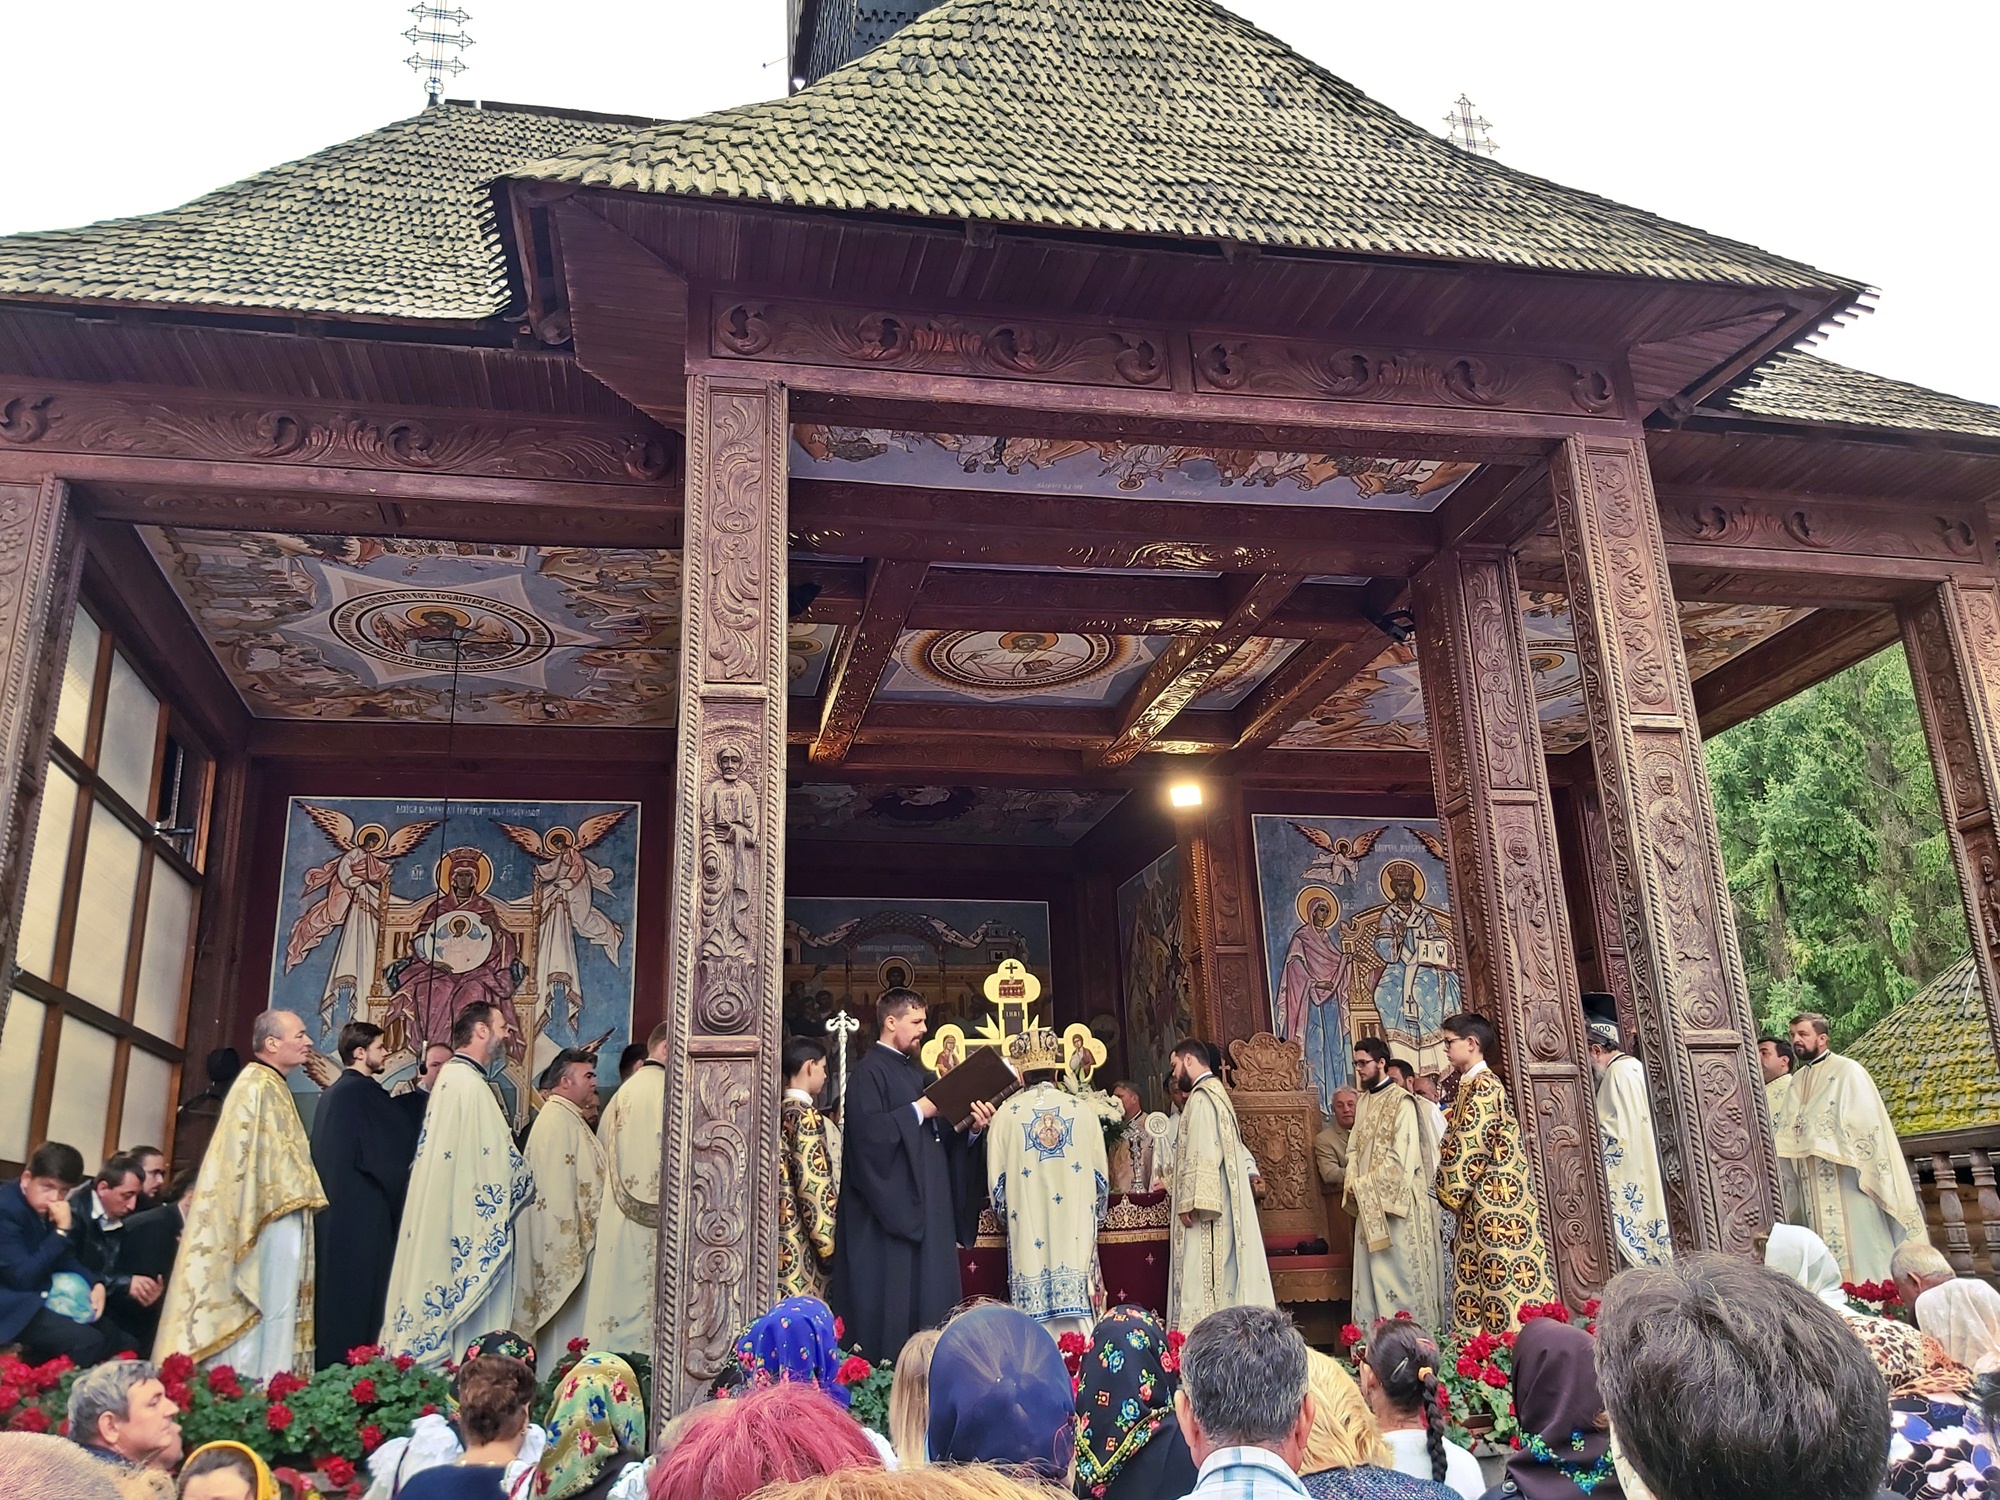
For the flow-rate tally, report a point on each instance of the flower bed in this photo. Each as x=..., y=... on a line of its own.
x=1476, y=1383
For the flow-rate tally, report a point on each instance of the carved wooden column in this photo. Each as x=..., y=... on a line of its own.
x=1953, y=638
x=1225, y=989
x=1697, y=1036
x=1507, y=890
x=41, y=559
x=719, y=1142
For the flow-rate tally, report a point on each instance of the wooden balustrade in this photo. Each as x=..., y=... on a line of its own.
x=1953, y=1171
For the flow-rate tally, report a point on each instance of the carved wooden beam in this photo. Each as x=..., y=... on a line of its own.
x=1498, y=505
x=39, y=567
x=962, y=764
x=1389, y=772
x=1006, y=728
x=628, y=311
x=1309, y=676
x=844, y=519
x=1823, y=643
x=864, y=654
x=1180, y=672
x=1113, y=368
x=362, y=743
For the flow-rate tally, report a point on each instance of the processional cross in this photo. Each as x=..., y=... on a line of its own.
x=841, y=1026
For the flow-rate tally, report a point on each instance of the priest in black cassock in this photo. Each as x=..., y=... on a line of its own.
x=362, y=1146
x=895, y=1246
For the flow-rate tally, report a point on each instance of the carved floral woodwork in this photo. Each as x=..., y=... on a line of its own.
x=1277, y=1113
x=1519, y=966
x=1697, y=1034
x=196, y=425
x=1939, y=534
x=1952, y=636
x=41, y=561
x=719, y=1144
x=1225, y=980
x=1402, y=377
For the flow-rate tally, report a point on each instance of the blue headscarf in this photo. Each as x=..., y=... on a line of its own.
x=1000, y=1394
x=794, y=1341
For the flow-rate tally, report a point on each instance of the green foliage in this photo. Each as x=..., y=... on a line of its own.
x=1846, y=899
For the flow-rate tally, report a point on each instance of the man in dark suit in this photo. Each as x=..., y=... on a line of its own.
x=98, y=1211
x=35, y=1245
x=152, y=1237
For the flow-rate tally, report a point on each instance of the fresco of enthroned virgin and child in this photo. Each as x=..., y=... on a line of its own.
x=403, y=912
x=1359, y=939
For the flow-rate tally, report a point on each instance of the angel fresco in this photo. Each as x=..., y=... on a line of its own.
x=352, y=883
x=566, y=887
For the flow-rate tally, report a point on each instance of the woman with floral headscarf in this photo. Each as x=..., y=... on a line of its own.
x=1128, y=1441
x=434, y=1440
x=795, y=1340
x=597, y=1431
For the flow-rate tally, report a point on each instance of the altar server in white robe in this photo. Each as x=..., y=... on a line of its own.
x=1049, y=1177
x=456, y=1265
x=1398, y=1248
x=618, y=1308
x=559, y=1229
x=241, y=1293
x=1217, y=1245
x=1631, y=1153
x=1839, y=1163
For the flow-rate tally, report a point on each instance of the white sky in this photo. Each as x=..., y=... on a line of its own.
x=1859, y=139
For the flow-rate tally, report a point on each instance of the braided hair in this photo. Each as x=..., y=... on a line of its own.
x=1404, y=1358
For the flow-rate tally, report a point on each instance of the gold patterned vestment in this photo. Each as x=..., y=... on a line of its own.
x=1500, y=1260
x=807, y=1204
x=554, y=1237
x=257, y=1170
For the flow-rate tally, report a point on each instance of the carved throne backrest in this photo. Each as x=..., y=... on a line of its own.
x=1279, y=1116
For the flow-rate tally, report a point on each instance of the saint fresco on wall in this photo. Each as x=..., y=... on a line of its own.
x=1153, y=976
x=402, y=911
x=1359, y=939
x=841, y=953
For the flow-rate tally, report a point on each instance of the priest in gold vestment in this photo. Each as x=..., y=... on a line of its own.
x=1499, y=1260
x=1217, y=1244
x=1398, y=1244
x=241, y=1293
x=1840, y=1166
x=456, y=1256
x=810, y=1195
x=618, y=1309
x=557, y=1232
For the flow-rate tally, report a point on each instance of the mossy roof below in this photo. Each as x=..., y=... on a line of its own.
x=1148, y=117
x=1933, y=1058
x=1797, y=387
x=397, y=223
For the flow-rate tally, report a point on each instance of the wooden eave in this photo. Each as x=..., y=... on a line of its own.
x=1806, y=459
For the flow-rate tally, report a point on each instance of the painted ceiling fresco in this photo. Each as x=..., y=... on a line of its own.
x=944, y=814
x=1383, y=707
x=1054, y=670
x=1156, y=471
x=312, y=627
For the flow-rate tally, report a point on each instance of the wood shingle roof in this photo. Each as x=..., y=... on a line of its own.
x=1149, y=117
x=1932, y=1057
x=1796, y=387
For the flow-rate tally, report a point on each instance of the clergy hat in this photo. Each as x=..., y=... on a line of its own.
x=1600, y=1016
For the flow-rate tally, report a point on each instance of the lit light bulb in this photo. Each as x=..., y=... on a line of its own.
x=1185, y=794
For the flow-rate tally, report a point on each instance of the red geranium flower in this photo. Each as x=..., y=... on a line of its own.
x=282, y=1385
x=839, y=1326
x=1350, y=1335
x=577, y=1346
x=404, y=1361
x=430, y=1409
x=277, y=1416
x=178, y=1393
x=337, y=1469
x=1507, y=1338
x=176, y=1367
x=9, y=1398
x=29, y=1419
x=1493, y=1376
x=371, y=1438
x=1467, y=1365
x=853, y=1370
x=1403, y=1313
x=126, y=1354
x=363, y=1391
x=1591, y=1305
x=362, y=1354
x=222, y=1382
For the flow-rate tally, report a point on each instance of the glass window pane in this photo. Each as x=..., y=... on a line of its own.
x=149, y=1083
x=131, y=731
x=82, y=1095
x=20, y=1052
x=169, y=907
x=104, y=911
x=73, y=707
x=37, y=947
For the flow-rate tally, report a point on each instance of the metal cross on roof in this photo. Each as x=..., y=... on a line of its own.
x=440, y=37
x=1466, y=128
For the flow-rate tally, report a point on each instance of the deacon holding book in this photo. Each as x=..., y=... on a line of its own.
x=895, y=1263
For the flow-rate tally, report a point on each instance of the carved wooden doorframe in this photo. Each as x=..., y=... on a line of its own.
x=1507, y=890
x=1952, y=636
x=1227, y=993
x=719, y=1140
x=41, y=564
x=1698, y=1038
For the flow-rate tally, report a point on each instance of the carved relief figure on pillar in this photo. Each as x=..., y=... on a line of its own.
x=1839, y=1165
x=728, y=876
x=1500, y=1259
x=1625, y=1130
